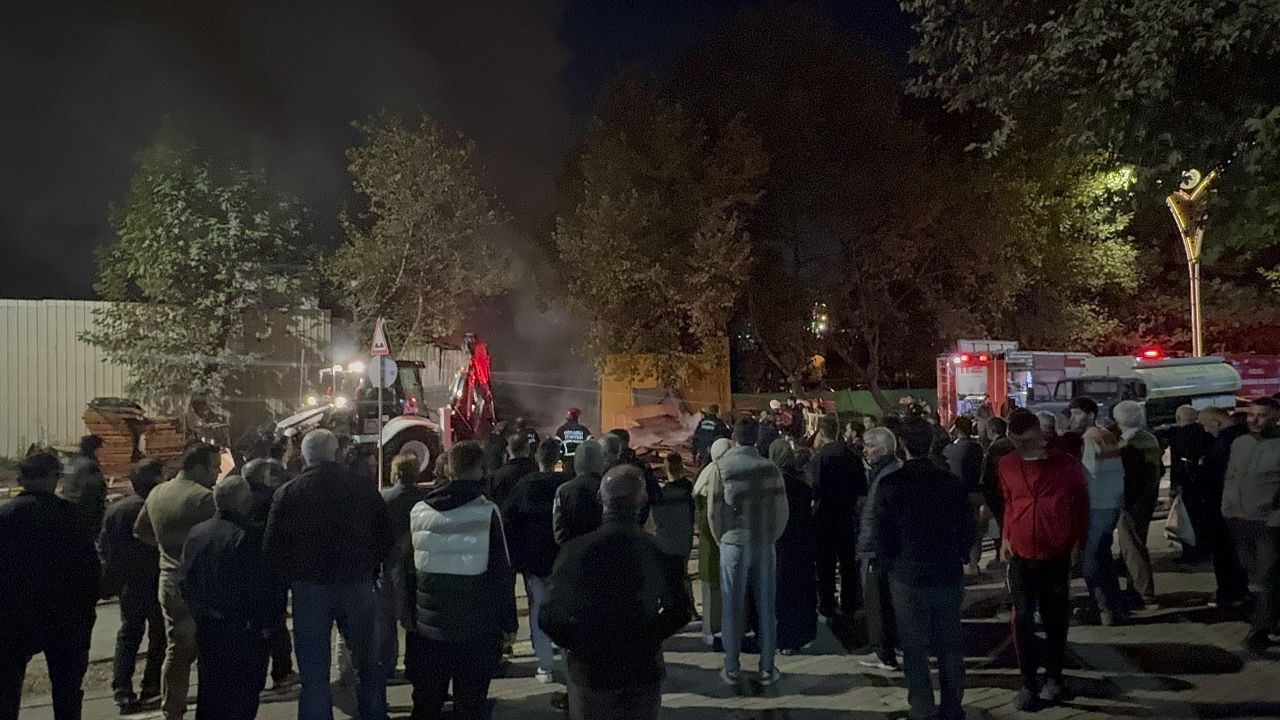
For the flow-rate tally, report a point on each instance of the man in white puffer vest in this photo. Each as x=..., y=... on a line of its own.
x=462, y=591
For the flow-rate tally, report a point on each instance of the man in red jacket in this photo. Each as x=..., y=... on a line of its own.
x=1046, y=516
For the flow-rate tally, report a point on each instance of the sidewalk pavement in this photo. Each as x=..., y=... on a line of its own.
x=1183, y=660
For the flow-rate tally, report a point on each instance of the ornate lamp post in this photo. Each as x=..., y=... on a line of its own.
x=1187, y=206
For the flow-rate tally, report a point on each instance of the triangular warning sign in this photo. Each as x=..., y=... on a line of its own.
x=379, y=346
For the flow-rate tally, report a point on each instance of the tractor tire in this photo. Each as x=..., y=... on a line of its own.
x=417, y=440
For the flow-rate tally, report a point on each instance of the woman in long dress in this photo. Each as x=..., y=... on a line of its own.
x=797, y=591
x=709, y=550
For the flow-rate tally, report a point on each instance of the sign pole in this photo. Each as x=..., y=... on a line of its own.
x=381, y=354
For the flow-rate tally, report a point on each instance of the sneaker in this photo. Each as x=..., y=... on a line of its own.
x=876, y=662
x=149, y=699
x=730, y=678
x=1027, y=701
x=1053, y=692
x=546, y=677
x=771, y=677
x=286, y=682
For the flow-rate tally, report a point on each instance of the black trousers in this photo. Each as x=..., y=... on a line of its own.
x=431, y=666
x=231, y=673
x=931, y=624
x=838, y=548
x=882, y=627
x=140, y=615
x=280, y=646
x=1214, y=538
x=1043, y=585
x=68, y=659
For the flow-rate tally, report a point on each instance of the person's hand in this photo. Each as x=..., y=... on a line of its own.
x=1006, y=550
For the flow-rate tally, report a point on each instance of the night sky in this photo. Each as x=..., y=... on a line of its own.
x=86, y=85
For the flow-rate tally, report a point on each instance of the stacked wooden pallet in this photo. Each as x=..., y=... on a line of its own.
x=119, y=423
x=164, y=440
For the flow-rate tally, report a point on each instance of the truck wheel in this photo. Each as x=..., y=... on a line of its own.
x=418, y=441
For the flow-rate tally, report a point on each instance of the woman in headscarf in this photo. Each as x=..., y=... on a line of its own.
x=797, y=591
x=708, y=550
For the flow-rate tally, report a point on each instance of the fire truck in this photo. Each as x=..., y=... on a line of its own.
x=999, y=374
x=347, y=403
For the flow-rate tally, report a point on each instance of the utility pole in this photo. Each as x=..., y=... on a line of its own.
x=1187, y=206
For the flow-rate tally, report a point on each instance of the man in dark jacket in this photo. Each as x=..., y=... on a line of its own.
x=463, y=590
x=923, y=534
x=615, y=596
x=327, y=535
x=1046, y=517
x=527, y=518
x=131, y=570
x=880, y=448
x=627, y=456
x=710, y=429
x=1188, y=442
x=998, y=445
x=49, y=581
x=517, y=466
x=235, y=601
x=964, y=460
x=1232, y=587
x=577, y=509
x=265, y=476
x=840, y=484
x=401, y=498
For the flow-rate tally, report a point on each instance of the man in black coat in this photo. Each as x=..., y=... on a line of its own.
x=265, y=476
x=327, y=536
x=923, y=534
x=131, y=570
x=527, y=519
x=616, y=594
x=840, y=484
x=517, y=466
x=49, y=583
x=1233, y=588
x=1188, y=442
x=577, y=510
x=235, y=601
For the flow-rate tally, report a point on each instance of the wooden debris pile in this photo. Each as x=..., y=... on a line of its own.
x=128, y=435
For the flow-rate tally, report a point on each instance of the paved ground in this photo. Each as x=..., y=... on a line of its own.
x=1182, y=661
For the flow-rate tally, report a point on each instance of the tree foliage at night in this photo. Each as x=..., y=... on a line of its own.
x=201, y=242
x=653, y=248
x=1159, y=85
x=425, y=248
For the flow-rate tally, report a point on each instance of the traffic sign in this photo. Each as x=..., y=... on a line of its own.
x=382, y=371
x=379, y=346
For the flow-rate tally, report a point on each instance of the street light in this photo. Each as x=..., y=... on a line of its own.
x=1187, y=206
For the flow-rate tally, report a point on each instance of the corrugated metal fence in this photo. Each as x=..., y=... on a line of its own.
x=49, y=374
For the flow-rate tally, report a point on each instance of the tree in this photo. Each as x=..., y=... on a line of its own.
x=1161, y=85
x=862, y=210
x=202, y=241
x=426, y=246
x=653, y=248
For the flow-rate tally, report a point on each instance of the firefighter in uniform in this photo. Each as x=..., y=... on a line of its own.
x=710, y=429
x=572, y=434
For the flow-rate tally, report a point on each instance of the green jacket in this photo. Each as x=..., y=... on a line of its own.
x=1143, y=460
x=171, y=510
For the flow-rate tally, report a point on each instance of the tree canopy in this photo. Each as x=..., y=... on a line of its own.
x=652, y=247
x=202, y=240
x=426, y=246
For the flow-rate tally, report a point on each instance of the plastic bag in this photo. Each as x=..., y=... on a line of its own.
x=1177, y=527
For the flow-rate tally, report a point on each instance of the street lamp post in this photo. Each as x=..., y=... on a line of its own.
x=1187, y=206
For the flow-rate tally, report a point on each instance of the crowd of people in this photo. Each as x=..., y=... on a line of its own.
x=797, y=520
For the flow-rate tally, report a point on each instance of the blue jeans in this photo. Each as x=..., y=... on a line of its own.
x=315, y=610
x=1099, y=567
x=756, y=566
x=543, y=648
